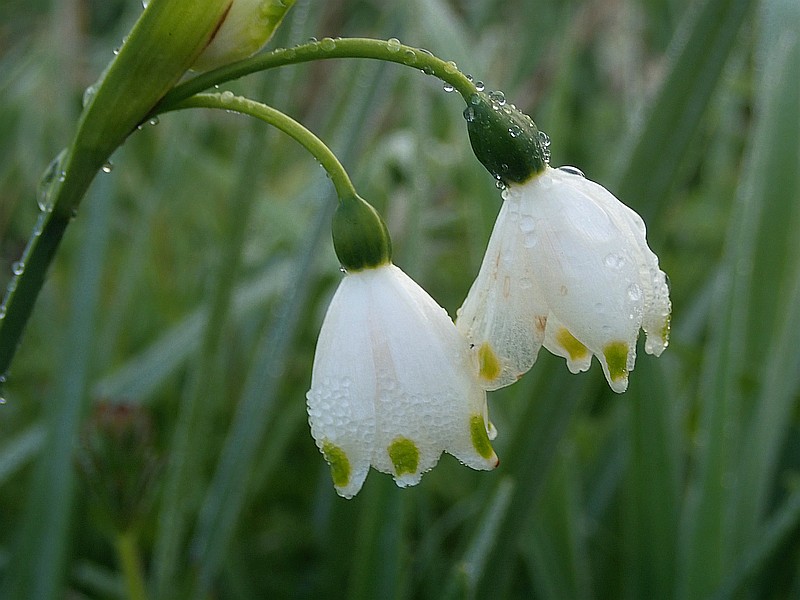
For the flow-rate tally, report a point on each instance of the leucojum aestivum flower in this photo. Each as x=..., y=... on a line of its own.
x=395, y=382
x=567, y=267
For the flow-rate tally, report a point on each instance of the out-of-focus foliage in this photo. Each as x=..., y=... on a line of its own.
x=193, y=282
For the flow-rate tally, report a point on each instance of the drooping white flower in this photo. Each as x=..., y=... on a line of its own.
x=567, y=267
x=394, y=384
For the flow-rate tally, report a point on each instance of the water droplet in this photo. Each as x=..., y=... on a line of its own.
x=88, y=95
x=312, y=40
x=474, y=99
x=469, y=114
x=447, y=87
x=615, y=261
x=498, y=97
x=427, y=69
x=409, y=57
x=499, y=185
x=572, y=170
x=2, y=400
x=527, y=224
x=393, y=44
x=2, y=311
x=451, y=67
x=108, y=167
x=514, y=130
x=544, y=139
x=52, y=175
x=327, y=44
x=18, y=268
x=226, y=96
x=343, y=270
x=634, y=292
x=153, y=121
x=39, y=226
x=479, y=86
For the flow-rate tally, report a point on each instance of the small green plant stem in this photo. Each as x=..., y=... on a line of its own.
x=317, y=148
x=386, y=50
x=131, y=565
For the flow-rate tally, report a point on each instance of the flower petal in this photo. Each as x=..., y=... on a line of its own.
x=503, y=315
x=412, y=389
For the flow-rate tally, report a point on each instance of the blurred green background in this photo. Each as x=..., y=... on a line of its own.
x=160, y=386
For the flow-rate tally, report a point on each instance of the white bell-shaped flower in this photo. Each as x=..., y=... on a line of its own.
x=567, y=267
x=394, y=384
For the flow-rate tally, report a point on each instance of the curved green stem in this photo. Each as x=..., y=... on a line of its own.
x=386, y=50
x=317, y=148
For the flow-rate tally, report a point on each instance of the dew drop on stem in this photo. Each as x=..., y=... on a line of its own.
x=393, y=45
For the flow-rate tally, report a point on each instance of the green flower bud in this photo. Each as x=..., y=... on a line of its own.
x=504, y=139
x=248, y=25
x=360, y=236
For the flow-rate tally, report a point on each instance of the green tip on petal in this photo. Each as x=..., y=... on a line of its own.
x=405, y=456
x=616, y=354
x=340, y=465
x=666, y=329
x=480, y=439
x=360, y=236
x=489, y=363
x=504, y=139
x=575, y=349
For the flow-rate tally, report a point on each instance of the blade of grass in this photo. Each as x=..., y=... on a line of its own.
x=37, y=569
x=700, y=50
x=652, y=488
x=20, y=449
x=550, y=405
x=771, y=535
x=774, y=289
x=708, y=538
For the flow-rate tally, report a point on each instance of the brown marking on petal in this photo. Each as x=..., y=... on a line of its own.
x=540, y=323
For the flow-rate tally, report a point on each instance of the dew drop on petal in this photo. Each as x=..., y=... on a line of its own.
x=615, y=261
x=527, y=224
x=469, y=114
x=447, y=87
x=634, y=292
x=572, y=170
x=108, y=167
